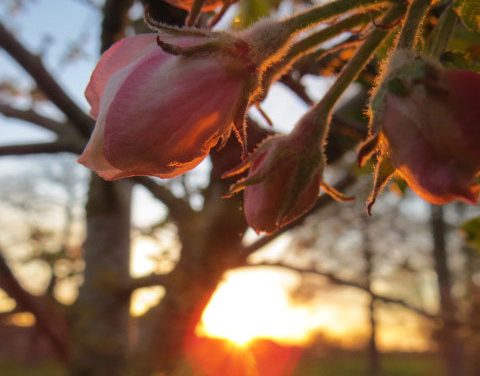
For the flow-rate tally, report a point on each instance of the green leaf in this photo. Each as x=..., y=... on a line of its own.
x=469, y=13
x=471, y=229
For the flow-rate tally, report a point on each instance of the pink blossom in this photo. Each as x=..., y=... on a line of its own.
x=284, y=178
x=280, y=198
x=158, y=114
x=431, y=135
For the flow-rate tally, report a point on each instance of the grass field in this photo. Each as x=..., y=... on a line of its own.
x=392, y=365
x=9, y=368
x=347, y=365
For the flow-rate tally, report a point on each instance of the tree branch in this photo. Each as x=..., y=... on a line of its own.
x=40, y=148
x=46, y=83
x=33, y=117
x=45, y=319
x=150, y=280
x=344, y=282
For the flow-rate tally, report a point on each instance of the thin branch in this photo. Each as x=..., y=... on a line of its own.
x=178, y=208
x=148, y=281
x=39, y=148
x=297, y=88
x=33, y=117
x=48, y=85
x=344, y=282
x=44, y=318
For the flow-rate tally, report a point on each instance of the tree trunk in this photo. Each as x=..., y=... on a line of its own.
x=169, y=326
x=100, y=316
x=451, y=347
x=373, y=353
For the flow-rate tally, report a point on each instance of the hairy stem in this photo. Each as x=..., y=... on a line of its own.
x=307, y=46
x=321, y=13
x=350, y=72
x=441, y=34
x=416, y=14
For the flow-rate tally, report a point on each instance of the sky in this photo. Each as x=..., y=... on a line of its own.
x=252, y=303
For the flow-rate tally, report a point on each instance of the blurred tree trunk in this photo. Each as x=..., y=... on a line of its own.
x=374, y=368
x=172, y=323
x=100, y=316
x=472, y=267
x=210, y=244
x=373, y=353
x=451, y=347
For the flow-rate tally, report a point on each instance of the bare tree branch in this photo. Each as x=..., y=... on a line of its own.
x=344, y=282
x=39, y=148
x=150, y=280
x=33, y=117
x=45, y=319
x=34, y=67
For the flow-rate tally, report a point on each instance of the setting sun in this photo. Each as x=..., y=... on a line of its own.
x=255, y=303
x=243, y=309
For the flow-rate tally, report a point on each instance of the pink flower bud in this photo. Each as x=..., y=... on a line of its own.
x=430, y=132
x=283, y=181
x=158, y=114
x=433, y=136
x=274, y=202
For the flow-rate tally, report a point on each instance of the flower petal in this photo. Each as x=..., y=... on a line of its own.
x=123, y=53
x=168, y=113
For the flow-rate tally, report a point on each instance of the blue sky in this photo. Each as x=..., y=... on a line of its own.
x=63, y=21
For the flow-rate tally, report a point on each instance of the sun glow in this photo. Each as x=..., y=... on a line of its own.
x=243, y=309
x=254, y=303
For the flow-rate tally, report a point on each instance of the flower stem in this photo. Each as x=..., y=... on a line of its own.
x=310, y=44
x=415, y=16
x=441, y=34
x=354, y=67
x=321, y=13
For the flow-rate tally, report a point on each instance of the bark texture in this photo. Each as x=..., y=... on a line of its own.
x=100, y=316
